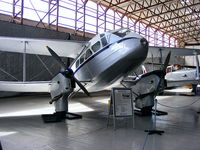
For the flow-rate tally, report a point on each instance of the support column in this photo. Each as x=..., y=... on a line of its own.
x=53, y=6
x=18, y=16
x=24, y=62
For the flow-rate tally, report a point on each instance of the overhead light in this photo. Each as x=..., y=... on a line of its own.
x=185, y=1
x=188, y=11
x=194, y=16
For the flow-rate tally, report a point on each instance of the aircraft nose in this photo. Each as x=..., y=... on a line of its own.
x=144, y=42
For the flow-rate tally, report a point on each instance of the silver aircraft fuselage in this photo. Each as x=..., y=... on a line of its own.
x=117, y=53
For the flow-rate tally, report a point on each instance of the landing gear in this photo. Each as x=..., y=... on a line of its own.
x=144, y=103
x=60, y=116
x=62, y=86
x=61, y=89
x=146, y=111
x=61, y=111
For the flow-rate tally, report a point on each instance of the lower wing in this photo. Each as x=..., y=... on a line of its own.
x=182, y=83
x=29, y=86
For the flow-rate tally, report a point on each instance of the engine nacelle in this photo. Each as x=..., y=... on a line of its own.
x=61, y=85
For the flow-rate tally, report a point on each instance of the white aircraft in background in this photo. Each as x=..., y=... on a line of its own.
x=177, y=77
x=101, y=62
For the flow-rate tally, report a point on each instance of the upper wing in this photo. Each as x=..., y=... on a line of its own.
x=163, y=51
x=64, y=48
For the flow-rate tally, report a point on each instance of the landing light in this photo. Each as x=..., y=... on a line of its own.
x=144, y=42
x=185, y=1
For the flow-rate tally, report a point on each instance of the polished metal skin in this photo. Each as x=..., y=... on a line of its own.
x=60, y=85
x=113, y=61
x=119, y=52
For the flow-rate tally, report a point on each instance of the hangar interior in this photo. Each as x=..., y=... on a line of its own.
x=163, y=23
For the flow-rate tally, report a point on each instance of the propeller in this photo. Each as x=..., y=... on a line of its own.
x=161, y=84
x=57, y=58
x=164, y=66
x=56, y=98
x=68, y=73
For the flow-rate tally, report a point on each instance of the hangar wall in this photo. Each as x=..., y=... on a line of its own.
x=191, y=60
x=18, y=30
x=38, y=68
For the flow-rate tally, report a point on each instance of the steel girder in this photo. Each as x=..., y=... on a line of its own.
x=177, y=18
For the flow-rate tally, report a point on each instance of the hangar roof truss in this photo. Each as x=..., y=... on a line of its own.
x=177, y=18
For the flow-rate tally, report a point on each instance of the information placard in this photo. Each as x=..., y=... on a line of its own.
x=122, y=100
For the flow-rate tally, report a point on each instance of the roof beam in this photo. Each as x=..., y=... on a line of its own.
x=162, y=13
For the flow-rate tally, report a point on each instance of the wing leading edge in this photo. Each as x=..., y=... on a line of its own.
x=158, y=51
x=64, y=48
x=30, y=86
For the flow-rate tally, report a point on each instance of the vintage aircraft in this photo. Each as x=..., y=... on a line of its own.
x=101, y=63
x=177, y=76
x=183, y=77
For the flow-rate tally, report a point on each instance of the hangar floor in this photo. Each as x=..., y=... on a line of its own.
x=21, y=126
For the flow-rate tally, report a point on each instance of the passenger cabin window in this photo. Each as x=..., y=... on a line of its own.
x=77, y=63
x=96, y=46
x=88, y=54
x=82, y=58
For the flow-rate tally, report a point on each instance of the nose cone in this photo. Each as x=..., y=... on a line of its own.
x=140, y=48
x=137, y=49
x=144, y=46
x=144, y=42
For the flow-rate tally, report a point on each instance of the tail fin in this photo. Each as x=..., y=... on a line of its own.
x=144, y=70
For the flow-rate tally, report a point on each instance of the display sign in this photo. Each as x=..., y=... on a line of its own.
x=122, y=100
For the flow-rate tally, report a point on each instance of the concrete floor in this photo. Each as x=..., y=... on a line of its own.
x=21, y=127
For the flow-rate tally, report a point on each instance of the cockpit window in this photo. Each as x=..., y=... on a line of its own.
x=88, y=54
x=104, y=41
x=101, y=35
x=96, y=46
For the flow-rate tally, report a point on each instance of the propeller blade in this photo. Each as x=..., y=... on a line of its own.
x=68, y=62
x=56, y=57
x=56, y=98
x=164, y=67
x=81, y=86
x=62, y=64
